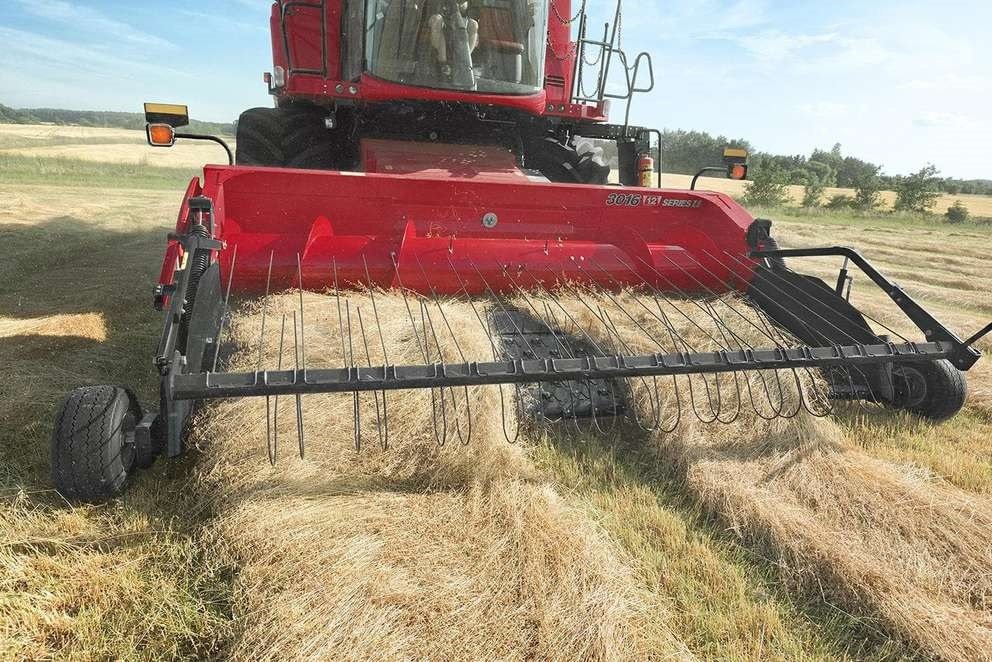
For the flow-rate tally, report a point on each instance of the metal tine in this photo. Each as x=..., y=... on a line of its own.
x=800, y=387
x=672, y=333
x=301, y=358
x=575, y=292
x=735, y=373
x=275, y=406
x=265, y=305
x=223, y=317
x=492, y=345
x=692, y=396
x=714, y=411
x=298, y=397
x=454, y=402
x=368, y=358
x=722, y=325
x=499, y=302
x=609, y=382
x=571, y=394
x=421, y=345
x=654, y=397
x=350, y=359
x=384, y=435
x=599, y=349
x=766, y=330
x=730, y=287
x=258, y=368
x=595, y=344
x=563, y=342
x=828, y=342
x=441, y=440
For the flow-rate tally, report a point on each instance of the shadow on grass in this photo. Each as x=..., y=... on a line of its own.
x=68, y=266
x=611, y=468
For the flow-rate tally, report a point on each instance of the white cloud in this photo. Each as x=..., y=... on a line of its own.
x=774, y=46
x=23, y=48
x=946, y=120
x=825, y=109
x=85, y=19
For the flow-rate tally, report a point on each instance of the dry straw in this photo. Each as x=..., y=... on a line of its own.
x=414, y=551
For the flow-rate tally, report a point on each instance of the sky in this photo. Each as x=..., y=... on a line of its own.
x=901, y=83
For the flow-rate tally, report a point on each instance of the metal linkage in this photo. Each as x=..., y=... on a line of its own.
x=570, y=351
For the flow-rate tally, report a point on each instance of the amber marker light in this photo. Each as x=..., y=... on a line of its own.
x=738, y=171
x=160, y=135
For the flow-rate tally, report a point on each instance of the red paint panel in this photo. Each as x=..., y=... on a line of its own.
x=430, y=231
x=439, y=160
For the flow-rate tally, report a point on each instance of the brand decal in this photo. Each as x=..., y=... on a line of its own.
x=639, y=200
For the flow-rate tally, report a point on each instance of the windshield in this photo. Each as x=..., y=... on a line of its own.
x=494, y=46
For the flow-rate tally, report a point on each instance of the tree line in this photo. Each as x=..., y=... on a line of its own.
x=103, y=119
x=686, y=152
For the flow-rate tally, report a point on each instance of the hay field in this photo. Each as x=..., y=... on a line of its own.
x=861, y=536
x=978, y=205
x=120, y=146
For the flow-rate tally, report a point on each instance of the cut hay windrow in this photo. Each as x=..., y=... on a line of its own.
x=879, y=538
x=409, y=549
x=412, y=550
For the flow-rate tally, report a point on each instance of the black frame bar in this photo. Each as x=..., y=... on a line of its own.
x=963, y=357
x=386, y=378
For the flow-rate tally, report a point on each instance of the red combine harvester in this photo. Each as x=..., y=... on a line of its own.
x=446, y=149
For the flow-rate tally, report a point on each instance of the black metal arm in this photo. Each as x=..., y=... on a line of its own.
x=964, y=356
x=215, y=139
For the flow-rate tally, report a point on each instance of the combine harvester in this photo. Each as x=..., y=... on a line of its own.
x=440, y=149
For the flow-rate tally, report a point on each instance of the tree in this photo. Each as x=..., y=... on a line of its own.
x=918, y=192
x=957, y=213
x=867, y=186
x=767, y=188
x=813, y=188
x=840, y=201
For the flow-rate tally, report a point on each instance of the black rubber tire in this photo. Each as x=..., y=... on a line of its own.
x=945, y=389
x=259, y=139
x=306, y=141
x=92, y=456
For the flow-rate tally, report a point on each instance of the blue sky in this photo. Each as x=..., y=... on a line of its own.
x=900, y=83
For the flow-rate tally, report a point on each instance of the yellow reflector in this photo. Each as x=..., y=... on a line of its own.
x=160, y=135
x=734, y=153
x=172, y=114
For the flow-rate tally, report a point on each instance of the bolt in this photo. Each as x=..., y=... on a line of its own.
x=489, y=220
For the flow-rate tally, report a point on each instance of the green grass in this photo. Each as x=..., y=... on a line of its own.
x=727, y=602
x=134, y=578
x=16, y=169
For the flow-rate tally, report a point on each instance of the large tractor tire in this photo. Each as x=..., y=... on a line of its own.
x=306, y=140
x=259, y=139
x=293, y=136
x=93, y=442
x=934, y=390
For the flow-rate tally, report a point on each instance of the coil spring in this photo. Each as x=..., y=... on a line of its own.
x=200, y=262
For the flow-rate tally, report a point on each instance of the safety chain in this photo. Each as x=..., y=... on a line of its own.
x=569, y=21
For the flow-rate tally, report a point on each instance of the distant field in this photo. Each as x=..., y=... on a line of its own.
x=862, y=536
x=121, y=146
x=978, y=205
